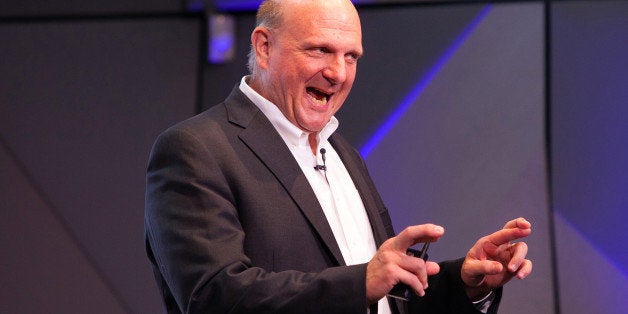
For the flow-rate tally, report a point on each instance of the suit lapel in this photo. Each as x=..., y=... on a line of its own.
x=366, y=191
x=262, y=138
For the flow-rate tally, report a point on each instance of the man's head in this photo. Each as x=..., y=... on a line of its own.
x=304, y=56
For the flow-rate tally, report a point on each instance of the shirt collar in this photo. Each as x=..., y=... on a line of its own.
x=290, y=133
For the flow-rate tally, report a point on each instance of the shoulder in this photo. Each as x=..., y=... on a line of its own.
x=235, y=111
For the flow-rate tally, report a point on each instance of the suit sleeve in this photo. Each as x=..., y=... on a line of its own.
x=446, y=294
x=195, y=242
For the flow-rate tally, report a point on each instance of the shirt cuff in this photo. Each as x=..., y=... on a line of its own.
x=483, y=304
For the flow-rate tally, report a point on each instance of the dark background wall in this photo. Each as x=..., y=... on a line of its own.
x=84, y=92
x=468, y=114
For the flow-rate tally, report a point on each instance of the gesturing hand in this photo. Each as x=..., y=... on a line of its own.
x=391, y=265
x=494, y=260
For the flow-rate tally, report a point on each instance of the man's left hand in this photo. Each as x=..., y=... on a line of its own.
x=494, y=259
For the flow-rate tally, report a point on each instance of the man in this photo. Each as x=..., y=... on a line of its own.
x=257, y=206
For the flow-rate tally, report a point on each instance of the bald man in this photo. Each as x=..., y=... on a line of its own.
x=257, y=205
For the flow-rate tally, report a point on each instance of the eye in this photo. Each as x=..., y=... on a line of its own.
x=352, y=57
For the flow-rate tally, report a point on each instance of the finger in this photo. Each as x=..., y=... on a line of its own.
x=431, y=268
x=518, y=253
x=504, y=253
x=520, y=222
x=525, y=269
x=420, y=269
x=422, y=276
x=415, y=266
x=415, y=234
x=478, y=268
x=504, y=236
x=412, y=281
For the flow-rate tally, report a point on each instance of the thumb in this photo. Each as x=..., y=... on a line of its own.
x=480, y=268
x=415, y=234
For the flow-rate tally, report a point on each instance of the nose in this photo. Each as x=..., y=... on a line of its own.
x=336, y=70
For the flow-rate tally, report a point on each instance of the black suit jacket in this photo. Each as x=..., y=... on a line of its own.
x=233, y=226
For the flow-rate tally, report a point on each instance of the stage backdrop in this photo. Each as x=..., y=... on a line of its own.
x=467, y=113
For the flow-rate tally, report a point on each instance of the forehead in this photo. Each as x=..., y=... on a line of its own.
x=322, y=20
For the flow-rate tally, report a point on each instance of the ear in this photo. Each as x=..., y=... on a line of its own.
x=261, y=41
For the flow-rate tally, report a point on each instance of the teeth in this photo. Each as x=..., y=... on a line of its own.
x=321, y=101
x=317, y=96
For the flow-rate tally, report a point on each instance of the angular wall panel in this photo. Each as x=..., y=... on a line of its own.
x=583, y=265
x=43, y=268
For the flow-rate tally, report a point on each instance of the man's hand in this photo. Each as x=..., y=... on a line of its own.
x=391, y=265
x=494, y=260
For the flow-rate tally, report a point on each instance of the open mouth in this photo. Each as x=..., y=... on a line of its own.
x=317, y=95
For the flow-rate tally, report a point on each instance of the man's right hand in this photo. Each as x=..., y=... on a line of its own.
x=391, y=265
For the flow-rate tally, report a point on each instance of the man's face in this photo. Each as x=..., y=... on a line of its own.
x=312, y=61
